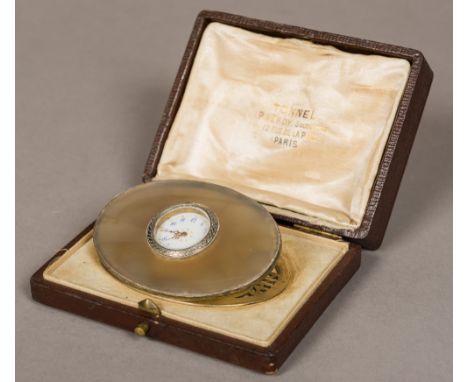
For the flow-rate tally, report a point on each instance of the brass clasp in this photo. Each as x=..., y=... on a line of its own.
x=149, y=306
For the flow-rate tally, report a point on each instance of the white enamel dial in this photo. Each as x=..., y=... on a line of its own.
x=182, y=230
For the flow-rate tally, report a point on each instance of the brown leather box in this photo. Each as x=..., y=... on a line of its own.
x=317, y=127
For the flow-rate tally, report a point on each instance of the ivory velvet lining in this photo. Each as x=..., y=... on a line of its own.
x=311, y=257
x=293, y=124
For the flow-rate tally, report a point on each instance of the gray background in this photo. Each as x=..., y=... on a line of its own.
x=92, y=81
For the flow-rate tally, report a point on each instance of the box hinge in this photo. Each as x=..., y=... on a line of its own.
x=318, y=232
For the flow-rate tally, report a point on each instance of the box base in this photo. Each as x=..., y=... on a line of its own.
x=266, y=359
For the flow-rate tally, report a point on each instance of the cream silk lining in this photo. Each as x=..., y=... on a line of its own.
x=311, y=258
x=292, y=124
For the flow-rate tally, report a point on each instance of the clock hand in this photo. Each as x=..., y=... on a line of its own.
x=168, y=230
x=178, y=234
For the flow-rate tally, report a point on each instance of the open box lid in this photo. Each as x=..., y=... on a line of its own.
x=317, y=127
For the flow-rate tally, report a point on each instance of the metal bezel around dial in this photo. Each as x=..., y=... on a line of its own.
x=161, y=217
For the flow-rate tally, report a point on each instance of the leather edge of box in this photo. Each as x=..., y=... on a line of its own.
x=393, y=170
